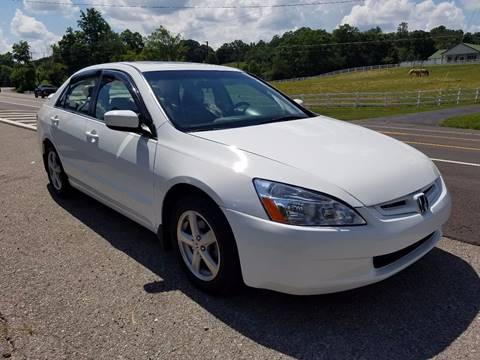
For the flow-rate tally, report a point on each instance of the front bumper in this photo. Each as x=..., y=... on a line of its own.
x=315, y=260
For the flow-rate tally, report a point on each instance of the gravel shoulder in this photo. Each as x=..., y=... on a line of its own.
x=80, y=281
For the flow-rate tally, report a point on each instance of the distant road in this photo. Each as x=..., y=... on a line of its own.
x=10, y=100
x=433, y=117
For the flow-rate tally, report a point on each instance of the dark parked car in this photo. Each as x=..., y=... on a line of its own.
x=45, y=90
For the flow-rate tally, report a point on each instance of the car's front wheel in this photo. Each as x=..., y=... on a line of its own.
x=205, y=245
x=56, y=175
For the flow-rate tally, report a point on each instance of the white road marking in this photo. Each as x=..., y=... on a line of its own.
x=16, y=123
x=26, y=120
x=455, y=162
x=421, y=129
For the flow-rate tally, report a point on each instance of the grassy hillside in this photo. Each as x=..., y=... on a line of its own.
x=465, y=122
x=396, y=79
x=388, y=80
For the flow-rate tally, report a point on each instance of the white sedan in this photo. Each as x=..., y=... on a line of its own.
x=243, y=182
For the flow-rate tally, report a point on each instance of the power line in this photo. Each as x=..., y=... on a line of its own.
x=180, y=7
x=374, y=41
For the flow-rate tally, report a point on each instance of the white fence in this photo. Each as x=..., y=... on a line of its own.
x=392, y=99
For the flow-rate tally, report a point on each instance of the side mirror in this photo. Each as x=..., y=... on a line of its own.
x=125, y=120
x=298, y=101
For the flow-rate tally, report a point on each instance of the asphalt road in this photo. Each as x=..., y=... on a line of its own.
x=80, y=281
x=433, y=117
x=12, y=101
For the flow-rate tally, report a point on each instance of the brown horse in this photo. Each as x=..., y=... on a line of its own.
x=419, y=72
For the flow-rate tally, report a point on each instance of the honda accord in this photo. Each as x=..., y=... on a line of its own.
x=244, y=183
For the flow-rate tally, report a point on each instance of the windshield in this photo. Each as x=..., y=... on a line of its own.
x=197, y=100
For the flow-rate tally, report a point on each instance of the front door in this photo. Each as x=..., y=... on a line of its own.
x=68, y=125
x=121, y=162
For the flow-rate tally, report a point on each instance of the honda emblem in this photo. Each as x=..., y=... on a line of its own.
x=422, y=203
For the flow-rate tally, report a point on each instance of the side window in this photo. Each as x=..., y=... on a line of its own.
x=114, y=94
x=79, y=95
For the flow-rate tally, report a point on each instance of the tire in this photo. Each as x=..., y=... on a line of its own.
x=56, y=175
x=223, y=251
x=36, y=95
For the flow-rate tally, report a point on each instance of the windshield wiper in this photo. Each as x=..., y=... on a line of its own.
x=283, y=118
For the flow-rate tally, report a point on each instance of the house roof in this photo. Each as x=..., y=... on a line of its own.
x=437, y=54
x=473, y=46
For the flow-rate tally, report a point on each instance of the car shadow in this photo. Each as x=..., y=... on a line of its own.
x=415, y=314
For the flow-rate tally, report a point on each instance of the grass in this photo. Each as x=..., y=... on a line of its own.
x=471, y=121
x=395, y=79
x=387, y=80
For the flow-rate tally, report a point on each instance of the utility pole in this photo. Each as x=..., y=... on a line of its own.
x=206, y=54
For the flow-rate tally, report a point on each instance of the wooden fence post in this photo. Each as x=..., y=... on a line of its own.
x=477, y=94
x=419, y=94
x=385, y=100
x=356, y=99
x=459, y=94
x=439, y=98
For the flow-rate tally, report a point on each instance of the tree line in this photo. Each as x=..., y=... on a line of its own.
x=303, y=52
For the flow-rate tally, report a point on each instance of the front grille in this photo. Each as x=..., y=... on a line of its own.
x=407, y=205
x=384, y=260
x=394, y=204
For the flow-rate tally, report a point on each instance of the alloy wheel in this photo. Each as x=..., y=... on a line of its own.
x=198, y=245
x=55, y=170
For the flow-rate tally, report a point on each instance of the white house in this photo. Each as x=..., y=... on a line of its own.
x=462, y=52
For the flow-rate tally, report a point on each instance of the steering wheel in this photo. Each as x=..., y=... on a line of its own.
x=241, y=106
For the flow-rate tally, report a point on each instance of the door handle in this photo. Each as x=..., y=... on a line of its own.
x=92, y=136
x=54, y=120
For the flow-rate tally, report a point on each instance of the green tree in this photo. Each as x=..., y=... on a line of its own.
x=50, y=72
x=133, y=41
x=7, y=59
x=93, y=26
x=21, y=52
x=402, y=29
x=233, y=51
x=72, y=50
x=211, y=56
x=23, y=77
x=5, y=75
x=162, y=45
x=446, y=38
x=192, y=51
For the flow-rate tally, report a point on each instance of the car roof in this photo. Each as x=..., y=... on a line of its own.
x=145, y=66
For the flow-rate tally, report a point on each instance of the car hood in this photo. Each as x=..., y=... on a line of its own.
x=372, y=167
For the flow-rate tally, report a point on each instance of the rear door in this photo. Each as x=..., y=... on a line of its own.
x=67, y=124
x=121, y=162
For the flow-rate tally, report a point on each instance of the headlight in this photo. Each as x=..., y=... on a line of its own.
x=296, y=206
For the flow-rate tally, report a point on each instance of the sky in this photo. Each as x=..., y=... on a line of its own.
x=43, y=22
